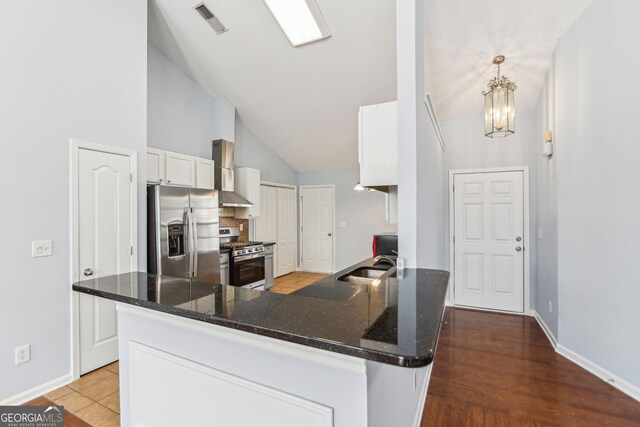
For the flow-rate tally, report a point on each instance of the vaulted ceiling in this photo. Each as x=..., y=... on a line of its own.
x=303, y=102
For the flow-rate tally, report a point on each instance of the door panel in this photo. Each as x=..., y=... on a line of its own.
x=286, y=230
x=489, y=220
x=173, y=203
x=317, y=229
x=104, y=242
x=204, y=204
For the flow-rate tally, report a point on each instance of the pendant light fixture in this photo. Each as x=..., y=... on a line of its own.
x=499, y=105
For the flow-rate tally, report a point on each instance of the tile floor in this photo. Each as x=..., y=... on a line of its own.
x=94, y=398
x=294, y=281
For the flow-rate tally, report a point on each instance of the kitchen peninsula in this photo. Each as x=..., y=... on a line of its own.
x=331, y=354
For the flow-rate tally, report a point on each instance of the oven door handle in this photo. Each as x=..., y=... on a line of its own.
x=247, y=257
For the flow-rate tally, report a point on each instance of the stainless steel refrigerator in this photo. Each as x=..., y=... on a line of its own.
x=183, y=233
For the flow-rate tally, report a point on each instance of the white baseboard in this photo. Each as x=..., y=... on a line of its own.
x=552, y=339
x=600, y=372
x=595, y=369
x=37, y=391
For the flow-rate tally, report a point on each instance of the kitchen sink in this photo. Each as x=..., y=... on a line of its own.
x=363, y=275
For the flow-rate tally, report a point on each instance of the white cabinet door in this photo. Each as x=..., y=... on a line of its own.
x=247, y=184
x=180, y=169
x=286, y=230
x=105, y=237
x=489, y=245
x=155, y=166
x=205, y=173
x=378, y=144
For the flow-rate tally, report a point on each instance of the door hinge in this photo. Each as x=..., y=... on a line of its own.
x=131, y=250
x=454, y=239
x=130, y=177
x=301, y=228
x=453, y=188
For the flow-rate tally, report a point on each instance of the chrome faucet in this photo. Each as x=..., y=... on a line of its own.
x=384, y=258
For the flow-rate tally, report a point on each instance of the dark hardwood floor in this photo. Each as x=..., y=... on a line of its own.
x=500, y=370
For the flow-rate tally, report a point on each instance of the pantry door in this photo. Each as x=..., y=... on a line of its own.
x=287, y=210
x=488, y=240
x=104, y=241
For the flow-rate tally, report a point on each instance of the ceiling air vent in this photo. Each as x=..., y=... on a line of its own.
x=213, y=20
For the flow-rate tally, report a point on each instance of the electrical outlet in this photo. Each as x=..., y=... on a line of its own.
x=343, y=224
x=241, y=227
x=550, y=307
x=41, y=248
x=23, y=354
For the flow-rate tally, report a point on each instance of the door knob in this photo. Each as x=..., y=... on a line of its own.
x=518, y=238
x=329, y=234
x=518, y=248
x=88, y=272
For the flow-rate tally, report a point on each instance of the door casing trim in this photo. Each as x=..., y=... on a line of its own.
x=527, y=309
x=75, y=146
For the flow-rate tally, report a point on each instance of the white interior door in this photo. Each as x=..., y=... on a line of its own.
x=105, y=239
x=489, y=240
x=317, y=229
x=286, y=230
x=266, y=225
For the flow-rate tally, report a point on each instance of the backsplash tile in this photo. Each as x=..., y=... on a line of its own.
x=228, y=221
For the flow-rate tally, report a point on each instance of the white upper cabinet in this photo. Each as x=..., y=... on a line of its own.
x=247, y=184
x=378, y=144
x=155, y=166
x=205, y=173
x=180, y=169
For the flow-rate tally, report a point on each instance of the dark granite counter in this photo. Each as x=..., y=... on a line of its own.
x=396, y=320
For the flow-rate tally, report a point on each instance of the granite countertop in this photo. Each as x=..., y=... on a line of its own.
x=396, y=321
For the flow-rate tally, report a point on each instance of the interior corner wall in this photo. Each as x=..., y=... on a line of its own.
x=69, y=71
x=596, y=128
x=469, y=148
x=363, y=214
x=182, y=117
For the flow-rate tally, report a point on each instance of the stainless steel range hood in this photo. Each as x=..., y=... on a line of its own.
x=224, y=179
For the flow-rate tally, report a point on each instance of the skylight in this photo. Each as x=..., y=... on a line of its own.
x=300, y=20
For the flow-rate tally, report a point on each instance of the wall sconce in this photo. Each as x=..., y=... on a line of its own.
x=547, y=149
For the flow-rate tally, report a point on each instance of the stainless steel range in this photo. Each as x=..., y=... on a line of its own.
x=246, y=260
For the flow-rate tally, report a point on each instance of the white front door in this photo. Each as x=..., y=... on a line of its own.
x=105, y=240
x=286, y=230
x=489, y=240
x=317, y=229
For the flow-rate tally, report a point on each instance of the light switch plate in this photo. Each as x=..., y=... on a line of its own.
x=41, y=248
x=343, y=224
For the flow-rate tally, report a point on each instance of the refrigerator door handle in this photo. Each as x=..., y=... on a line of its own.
x=194, y=235
x=187, y=222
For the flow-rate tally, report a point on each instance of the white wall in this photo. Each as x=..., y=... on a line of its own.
x=250, y=151
x=72, y=69
x=182, y=117
x=180, y=114
x=468, y=148
x=420, y=160
x=595, y=119
x=363, y=211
